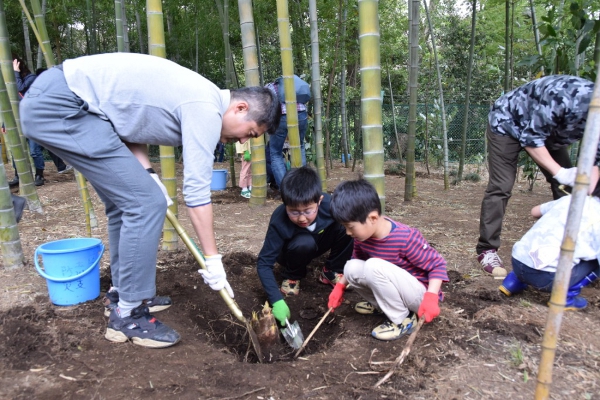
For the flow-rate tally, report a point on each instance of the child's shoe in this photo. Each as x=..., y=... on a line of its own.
x=366, y=308
x=576, y=303
x=246, y=193
x=290, y=287
x=512, y=285
x=329, y=277
x=390, y=331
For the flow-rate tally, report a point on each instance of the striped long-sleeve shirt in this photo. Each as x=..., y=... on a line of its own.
x=406, y=248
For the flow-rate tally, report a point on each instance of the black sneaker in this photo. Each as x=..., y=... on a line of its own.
x=14, y=182
x=141, y=328
x=39, y=180
x=154, y=304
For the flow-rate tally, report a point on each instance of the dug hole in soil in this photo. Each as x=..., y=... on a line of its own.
x=482, y=346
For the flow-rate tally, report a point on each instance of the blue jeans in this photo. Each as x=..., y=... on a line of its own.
x=543, y=280
x=278, y=139
x=36, y=153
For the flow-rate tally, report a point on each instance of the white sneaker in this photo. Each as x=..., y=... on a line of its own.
x=67, y=169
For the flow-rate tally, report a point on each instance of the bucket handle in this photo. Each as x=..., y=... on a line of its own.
x=69, y=278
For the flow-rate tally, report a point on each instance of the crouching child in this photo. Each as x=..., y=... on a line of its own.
x=393, y=268
x=535, y=256
x=300, y=230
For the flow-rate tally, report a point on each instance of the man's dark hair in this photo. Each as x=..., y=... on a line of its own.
x=352, y=201
x=300, y=187
x=264, y=105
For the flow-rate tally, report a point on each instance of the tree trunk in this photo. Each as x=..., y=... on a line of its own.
x=506, y=46
x=287, y=68
x=28, y=53
x=536, y=31
x=125, y=27
x=410, y=187
x=138, y=24
x=370, y=72
x=156, y=46
x=316, y=93
x=442, y=106
x=587, y=155
x=345, y=147
x=463, y=146
x=252, y=74
x=119, y=26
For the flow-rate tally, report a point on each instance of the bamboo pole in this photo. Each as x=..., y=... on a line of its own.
x=316, y=94
x=156, y=47
x=252, y=75
x=370, y=87
x=287, y=68
x=587, y=156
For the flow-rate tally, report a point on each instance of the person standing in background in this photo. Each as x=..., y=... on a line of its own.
x=246, y=171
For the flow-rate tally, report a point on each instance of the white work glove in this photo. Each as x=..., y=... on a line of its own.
x=162, y=187
x=214, y=274
x=566, y=176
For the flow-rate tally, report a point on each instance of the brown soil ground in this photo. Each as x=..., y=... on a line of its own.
x=482, y=346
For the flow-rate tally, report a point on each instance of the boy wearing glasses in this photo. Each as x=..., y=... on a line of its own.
x=300, y=230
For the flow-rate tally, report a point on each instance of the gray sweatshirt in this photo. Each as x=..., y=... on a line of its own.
x=151, y=100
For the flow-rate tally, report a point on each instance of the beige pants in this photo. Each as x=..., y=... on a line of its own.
x=246, y=174
x=386, y=286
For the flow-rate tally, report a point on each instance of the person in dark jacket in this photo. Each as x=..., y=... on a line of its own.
x=300, y=230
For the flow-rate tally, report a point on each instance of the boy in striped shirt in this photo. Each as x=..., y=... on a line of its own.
x=392, y=267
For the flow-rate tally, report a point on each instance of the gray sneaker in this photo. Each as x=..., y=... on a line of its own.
x=154, y=304
x=67, y=169
x=141, y=328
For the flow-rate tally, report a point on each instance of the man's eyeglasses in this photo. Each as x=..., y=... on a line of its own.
x=299, y=213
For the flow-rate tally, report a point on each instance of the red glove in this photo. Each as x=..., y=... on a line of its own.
x=429, y=307
x=336, y=296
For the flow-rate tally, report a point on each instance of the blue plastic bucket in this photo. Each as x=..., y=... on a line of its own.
x=219, y=179
x=344, y=158
x=71, y=269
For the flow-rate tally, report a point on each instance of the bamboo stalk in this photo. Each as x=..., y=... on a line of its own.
x=587, y=156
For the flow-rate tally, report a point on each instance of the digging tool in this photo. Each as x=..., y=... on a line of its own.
x=312, y=333
x=235, y=310
x=402, y=355
x=292, y=334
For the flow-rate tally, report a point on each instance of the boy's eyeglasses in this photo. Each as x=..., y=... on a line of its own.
x=299, y=213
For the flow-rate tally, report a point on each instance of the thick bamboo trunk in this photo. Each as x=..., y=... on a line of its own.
x=156, y=47
x=370, y=72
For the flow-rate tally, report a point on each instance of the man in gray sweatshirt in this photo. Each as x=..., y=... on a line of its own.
x=99, y=113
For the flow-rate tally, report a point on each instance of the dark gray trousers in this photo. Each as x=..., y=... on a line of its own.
x=503, y=157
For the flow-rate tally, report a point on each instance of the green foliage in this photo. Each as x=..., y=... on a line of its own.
x=395, y=169
x=567, y=35
x=516, y=354
x=472, y=176
x=530, y=169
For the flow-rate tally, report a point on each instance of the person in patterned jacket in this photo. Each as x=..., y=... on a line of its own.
x=393, y=268
x=543, y=117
